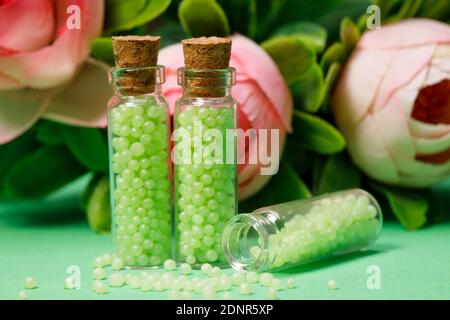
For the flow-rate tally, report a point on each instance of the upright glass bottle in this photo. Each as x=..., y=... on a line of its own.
x=139, y=129
x=302, y=231
x=205, y=163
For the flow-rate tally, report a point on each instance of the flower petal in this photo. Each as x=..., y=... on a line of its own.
x=259, y=66
x=393, y=130
x=7, y=83
x=375, y=161
x=252, y=102
x=441, y=58
x=419, y=32
x=421, y=181
x=405, y=66
x=77, y=104
x=19, y=110
x=427, y=130
x=57, y=63
x=432, y=146
x=92, y=16
x=26, y=25
x=352, y=98
x=425, y=172
x=172, y=58
x=435, y=75
x=253, y=184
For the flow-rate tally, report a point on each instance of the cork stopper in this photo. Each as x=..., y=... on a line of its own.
x=136, y=52
x=206, y=53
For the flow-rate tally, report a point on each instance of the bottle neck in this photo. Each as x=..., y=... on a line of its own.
x=137, y=81
x=206, y=83
x=196, y=92
x=249, y=241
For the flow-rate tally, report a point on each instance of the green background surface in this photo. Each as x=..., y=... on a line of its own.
x=43, y=238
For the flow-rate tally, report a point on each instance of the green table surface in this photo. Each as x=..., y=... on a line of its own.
x=43, y=238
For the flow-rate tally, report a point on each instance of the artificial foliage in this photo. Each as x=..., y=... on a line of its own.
x=309, y=40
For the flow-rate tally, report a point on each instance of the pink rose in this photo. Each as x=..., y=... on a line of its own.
x=264, y=99
x=392, y=103
x=40, y=54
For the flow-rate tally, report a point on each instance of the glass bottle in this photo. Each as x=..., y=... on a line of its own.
x=302, y=231
x=205, y=163
x=138, y=127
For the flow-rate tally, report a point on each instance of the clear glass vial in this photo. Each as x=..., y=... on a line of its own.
x=205, y=163
x=139, y=127
x=299, y=232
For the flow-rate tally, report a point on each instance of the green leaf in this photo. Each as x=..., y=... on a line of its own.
x=292, y=56
x=88, y=146
x=362, y=23
x=408, y=9
x=330, y=80
x=170, y=32
x=14, y=151
x=299, y=159
x=332, y=76
x=316, y=134
x=335, y=53
x=327, y=13
x=43, y=171
x=48, y=133
x=126, y=15
x=312, y=34
x=119, y=13
x=101, y=49
x=152, y=10
x=203, y=18
x=285, y=186
x=386, y=6
x=338, y=173
x=97, y=204
x=409, y=207
x=267, y=12
x=309, y=90
x=435, y=9
x=349, y=33
x=241, y=15
x=319, y=163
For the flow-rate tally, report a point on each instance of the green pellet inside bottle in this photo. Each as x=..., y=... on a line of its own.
x=140, y=170
x=333, y=225
x=205, y=192
x=302, y=231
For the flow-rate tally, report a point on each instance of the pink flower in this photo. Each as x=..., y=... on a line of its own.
x=264, y=99
x=392, y=103
x=43, y=72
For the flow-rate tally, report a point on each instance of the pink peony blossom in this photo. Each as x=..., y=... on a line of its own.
x=264, y=99
x=43, y=66
x=392, y=103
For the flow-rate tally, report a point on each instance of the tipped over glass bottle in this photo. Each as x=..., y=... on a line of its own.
x=139, y=127
x=303, y=231
x=205, y=164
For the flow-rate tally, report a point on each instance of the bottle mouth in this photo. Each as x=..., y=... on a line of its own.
x=246, y=242
x=206, y=78
x=137, y=77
